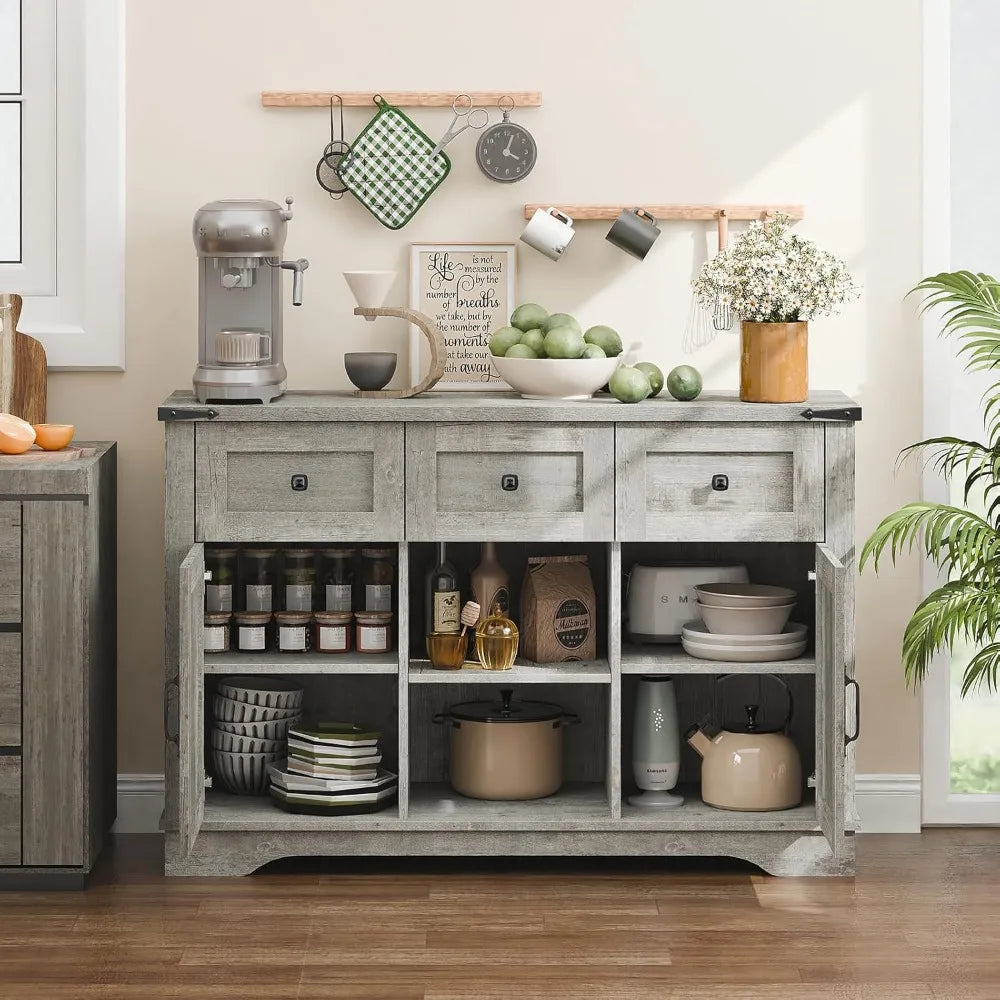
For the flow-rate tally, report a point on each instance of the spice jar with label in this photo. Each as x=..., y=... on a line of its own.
x=216, y=633
x=254, y=631
x=373, y=631
x=221, y=563
x=378, y=569
x=338, y=578
x=294, y=631
x=300, y=579
x=332, y=631
x=258, y=572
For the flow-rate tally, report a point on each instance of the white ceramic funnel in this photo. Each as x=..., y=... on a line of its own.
x=370, y=287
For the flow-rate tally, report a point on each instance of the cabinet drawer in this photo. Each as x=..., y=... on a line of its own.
x=10, y=810
x=510, y=482
x=299, y=482
x=10, y=689
x=720, y=482
x=10, y=561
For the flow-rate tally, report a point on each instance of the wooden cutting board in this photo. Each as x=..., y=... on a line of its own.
x=23, y=368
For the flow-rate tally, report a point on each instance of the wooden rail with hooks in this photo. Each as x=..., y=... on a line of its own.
x=671, y=213
x=398, y=98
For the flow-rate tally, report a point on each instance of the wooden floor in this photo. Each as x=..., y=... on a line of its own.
x=921, y=920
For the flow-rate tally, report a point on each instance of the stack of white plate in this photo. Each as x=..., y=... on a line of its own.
x=745, y=623
x=250, y=729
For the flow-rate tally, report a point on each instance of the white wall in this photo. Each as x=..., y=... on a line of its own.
x=643, y=101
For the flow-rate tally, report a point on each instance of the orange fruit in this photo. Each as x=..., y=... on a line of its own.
x=52, y=437
x=16, y=435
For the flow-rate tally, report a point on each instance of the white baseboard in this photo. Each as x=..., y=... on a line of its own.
x=140, y=803
x=888, y=803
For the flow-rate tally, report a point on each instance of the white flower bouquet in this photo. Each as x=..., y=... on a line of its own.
x=772, y=275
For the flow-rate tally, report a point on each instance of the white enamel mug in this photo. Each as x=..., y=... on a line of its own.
x=549, y=232
x=242, y=347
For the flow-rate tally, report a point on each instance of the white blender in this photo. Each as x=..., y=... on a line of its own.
x=239, y=246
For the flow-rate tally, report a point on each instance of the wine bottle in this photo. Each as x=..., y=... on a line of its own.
x=443, y=604
x=490, y=583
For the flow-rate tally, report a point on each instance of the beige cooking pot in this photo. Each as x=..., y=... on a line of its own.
x=749, y=767
x=506, y=749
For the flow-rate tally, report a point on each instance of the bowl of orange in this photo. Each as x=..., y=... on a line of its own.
x=53, y=437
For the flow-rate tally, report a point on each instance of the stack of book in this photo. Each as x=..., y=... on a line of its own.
x=333, y=770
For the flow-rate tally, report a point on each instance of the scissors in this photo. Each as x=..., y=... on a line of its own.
x=469, y=116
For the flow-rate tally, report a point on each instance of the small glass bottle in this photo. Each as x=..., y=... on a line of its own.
x=496, y=640
x=379, y=574
x=490, y=582
x=333, y=632
x=221, y=563
x=254, y=631
x=373, y=631
x=216, y=633
x=257, y=567
x=338, y=579
x=300, y=579
x=294, y=631
x=442, y=601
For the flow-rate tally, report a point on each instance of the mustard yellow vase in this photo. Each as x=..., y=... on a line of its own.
x=774, y=362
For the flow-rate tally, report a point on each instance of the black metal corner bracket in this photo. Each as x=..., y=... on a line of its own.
x=169, y=413
x=843, y=413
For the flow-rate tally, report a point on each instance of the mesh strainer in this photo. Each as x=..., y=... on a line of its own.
x=336, y=149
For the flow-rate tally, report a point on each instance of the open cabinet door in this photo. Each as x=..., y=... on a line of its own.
x=191, y=768
x=831, y=639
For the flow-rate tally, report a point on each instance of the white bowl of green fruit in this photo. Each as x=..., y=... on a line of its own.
x=544, y=356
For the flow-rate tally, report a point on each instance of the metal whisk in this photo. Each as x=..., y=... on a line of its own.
x=722, y=314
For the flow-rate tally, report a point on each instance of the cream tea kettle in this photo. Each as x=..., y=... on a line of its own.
x=749, y=767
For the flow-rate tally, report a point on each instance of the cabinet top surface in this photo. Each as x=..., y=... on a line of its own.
x=502, y=406
x=79, y=455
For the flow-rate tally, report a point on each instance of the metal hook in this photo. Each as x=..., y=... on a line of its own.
x=340, y=102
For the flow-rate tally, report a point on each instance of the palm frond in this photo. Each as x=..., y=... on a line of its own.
x=983, y=668
x=956, y=540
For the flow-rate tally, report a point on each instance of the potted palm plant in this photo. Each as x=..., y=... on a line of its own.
x=963, y=541
x=775, y=281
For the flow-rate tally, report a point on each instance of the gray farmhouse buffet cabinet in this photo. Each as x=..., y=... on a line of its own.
x=621, y=483
x=57, y=665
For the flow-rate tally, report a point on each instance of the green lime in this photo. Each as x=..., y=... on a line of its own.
x=564, y=342
x=629, y=385
x=535, y=339
x=559, y=319
x=654, y=375
x=684, y=383
x=593, y=351
x=606, y=339
x=528, y=316
x=502, y=340
x=520, y=351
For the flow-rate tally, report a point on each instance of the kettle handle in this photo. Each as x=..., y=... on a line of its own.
x=775, y=677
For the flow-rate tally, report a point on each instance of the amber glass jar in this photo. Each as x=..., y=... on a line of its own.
x=257, y=568
x=254, y=631
x=338, y=578
x=333, y=632
x=217, y=631
x=378, y=572
x=373, y=631
x=294, y=631
x=221, y=563
x=300, y=579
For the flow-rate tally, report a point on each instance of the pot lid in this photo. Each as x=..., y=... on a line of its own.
x=506, y=710
x=750, y=724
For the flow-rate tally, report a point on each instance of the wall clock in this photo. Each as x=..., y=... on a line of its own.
x=506, y=152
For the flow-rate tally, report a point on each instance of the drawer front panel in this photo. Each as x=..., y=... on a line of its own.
x=10, y=689
x=10, y=561
x=515, y=482
x=10, y=810
x=299, y=482
x=720, y=482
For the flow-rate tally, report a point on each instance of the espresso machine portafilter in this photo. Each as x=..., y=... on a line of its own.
x=239, y=246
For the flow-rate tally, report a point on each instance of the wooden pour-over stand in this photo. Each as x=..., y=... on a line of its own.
x=439, y=353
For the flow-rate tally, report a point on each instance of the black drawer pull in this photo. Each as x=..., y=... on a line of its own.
x=720, y=483
x=300, y=482
x=509, y=482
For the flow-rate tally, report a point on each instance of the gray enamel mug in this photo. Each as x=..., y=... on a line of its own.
x=634, y=232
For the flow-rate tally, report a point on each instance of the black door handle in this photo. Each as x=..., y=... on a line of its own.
x=720, y=483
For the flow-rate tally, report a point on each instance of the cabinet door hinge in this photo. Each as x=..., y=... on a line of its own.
x=169, y=413
x=851, y=414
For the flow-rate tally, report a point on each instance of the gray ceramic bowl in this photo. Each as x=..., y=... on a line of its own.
x=370, y=369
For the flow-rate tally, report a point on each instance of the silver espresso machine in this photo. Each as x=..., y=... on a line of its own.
x=239, y=246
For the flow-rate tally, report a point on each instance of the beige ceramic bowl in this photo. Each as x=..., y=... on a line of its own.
x=743, y=595
x=746, y=621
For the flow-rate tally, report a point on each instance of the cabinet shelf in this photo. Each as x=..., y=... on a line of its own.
x=523, y=672
x=695, y=815
x=669, y=659
x=301, y=663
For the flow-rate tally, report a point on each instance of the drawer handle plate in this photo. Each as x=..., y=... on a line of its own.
x=720, y=483
x=509, y=482
x=300, y=482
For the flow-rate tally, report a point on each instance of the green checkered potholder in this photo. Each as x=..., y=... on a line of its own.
x=390, y=169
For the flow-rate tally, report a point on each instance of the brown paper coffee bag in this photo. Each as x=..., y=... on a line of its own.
x=558, y=607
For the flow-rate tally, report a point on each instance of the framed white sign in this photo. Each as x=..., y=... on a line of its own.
x=468, y=291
